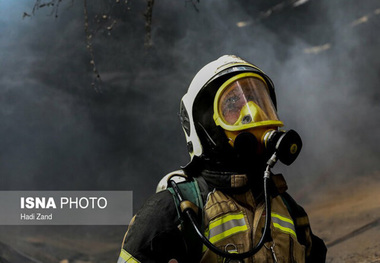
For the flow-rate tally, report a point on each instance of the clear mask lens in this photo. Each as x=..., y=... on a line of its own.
x=244, y=103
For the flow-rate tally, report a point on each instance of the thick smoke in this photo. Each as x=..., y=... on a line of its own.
x=58, y=132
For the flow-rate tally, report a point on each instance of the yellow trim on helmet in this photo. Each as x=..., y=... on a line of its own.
x=218, y=120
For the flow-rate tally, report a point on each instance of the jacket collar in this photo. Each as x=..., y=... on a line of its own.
x=236, y=183
x=224, y=178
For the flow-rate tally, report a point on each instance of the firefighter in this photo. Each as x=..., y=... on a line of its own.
x=226, y=205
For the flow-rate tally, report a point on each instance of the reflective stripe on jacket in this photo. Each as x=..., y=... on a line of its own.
x=125, y=257
x=235, y=224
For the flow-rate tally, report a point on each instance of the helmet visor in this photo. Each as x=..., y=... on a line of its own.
x=244, y=102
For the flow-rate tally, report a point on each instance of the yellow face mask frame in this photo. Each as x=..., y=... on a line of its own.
x=251, y=114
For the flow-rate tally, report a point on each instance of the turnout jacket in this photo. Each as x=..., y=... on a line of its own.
x=232, y=216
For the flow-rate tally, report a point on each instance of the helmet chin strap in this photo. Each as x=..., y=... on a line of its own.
x=208, y=137
x=219, y=152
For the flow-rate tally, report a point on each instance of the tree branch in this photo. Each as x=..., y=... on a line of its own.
x=90, y=49
x=148, y=23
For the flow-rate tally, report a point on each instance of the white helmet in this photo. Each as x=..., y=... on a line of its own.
x=196, y=109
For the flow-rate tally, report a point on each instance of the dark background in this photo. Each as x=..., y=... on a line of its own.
x=59, y=132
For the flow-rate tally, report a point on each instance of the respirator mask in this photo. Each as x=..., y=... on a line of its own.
x=244, y=109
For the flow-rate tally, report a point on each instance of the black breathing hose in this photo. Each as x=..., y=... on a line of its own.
x=266, y=233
